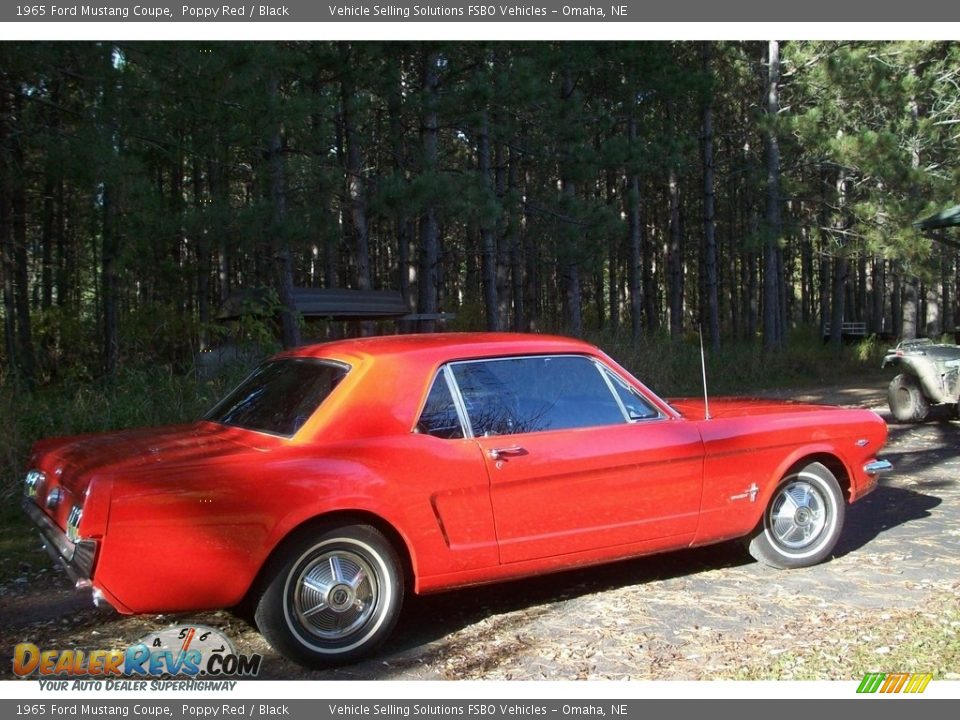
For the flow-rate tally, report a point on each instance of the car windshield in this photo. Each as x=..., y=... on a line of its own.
x=279, y=396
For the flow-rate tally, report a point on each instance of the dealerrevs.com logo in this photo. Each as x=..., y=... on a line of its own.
x=183, y=651
x=894, y=683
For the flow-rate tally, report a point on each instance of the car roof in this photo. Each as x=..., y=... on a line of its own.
x=439, y=347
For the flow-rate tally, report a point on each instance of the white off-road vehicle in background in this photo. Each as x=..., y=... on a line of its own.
x=929, y=375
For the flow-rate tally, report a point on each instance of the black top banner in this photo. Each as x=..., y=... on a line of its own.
x=617, y=11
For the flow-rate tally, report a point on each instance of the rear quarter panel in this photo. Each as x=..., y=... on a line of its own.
x=195, y=538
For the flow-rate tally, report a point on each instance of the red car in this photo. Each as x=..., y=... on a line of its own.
x=338, y=477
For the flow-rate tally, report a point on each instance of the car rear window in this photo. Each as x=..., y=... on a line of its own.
x=279, y=396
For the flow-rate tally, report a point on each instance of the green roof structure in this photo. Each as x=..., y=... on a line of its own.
x=944, y=219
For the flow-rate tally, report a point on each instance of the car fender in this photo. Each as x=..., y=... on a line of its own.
x=816, y=452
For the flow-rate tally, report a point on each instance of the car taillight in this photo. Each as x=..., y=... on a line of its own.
x=33, y=483
x=73, y=523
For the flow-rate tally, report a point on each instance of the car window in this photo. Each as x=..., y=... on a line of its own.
x=637, y=406
x=439, y=417
x=532, y=394
x=279, y=396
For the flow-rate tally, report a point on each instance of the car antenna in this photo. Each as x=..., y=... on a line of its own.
x=703, y=370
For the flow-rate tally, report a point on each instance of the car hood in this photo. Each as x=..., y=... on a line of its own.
x=693, y=408
x=74, y=461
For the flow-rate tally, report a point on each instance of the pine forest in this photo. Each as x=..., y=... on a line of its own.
x=630, y=190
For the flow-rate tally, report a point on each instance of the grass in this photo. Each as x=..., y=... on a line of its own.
x=923, y=640
x=671, y=367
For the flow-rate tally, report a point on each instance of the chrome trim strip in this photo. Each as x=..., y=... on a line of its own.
x=76, y=558
x=610, y=377
x=877, y=466
x=616, y=396
x=466, y=426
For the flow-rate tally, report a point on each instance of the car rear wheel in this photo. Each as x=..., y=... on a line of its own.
x=332, y=596
x=906, y=399
x=802, y=521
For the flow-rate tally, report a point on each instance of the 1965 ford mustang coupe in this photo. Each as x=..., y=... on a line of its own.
x=338, y=477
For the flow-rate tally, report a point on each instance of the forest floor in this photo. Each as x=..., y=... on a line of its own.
x=888, y=601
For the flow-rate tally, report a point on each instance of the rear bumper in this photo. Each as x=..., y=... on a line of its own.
x=75, y=557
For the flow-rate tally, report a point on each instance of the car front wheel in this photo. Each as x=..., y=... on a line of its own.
x=906, y=399
x=802, y=521
x=332, y=596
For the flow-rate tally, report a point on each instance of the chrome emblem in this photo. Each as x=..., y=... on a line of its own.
x=751, y=493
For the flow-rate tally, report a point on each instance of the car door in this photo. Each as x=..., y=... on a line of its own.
x=571, y=468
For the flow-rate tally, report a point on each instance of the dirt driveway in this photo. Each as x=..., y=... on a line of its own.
x=708, y=613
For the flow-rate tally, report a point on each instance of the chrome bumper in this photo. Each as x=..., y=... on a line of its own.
x=75, y=557
x=877, y=466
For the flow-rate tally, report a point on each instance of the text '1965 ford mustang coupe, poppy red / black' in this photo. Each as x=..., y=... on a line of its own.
x=339, y=477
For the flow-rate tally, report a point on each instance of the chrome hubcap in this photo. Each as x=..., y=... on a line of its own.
x=335, y=594
x=798, y=515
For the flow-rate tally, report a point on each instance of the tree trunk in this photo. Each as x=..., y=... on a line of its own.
x=46, y=241
x=908, y=327
x=613, y=260
x=488, y=242
x=20, y=255
x=860, y=313
x=675, y=245
x=514, y=241
x=806, y=279
x=202, y=244
x=932, y=324
x=502, y=226
x=732, y=296
x=110, y=233
x=571, y=289
x=772, y=329
x=634, y=230
x=651, y=304
x=402, y=224
x=109, y=283
x=841, y=270
x=219, y=184
x=289, y=324
x=356, y=183
x=429, y=228
x=896, y=301
x=63, y=248
x=356, y=195
x=709, y=223
x=6, y=243
x=568, y=257
x=948, y=291
x=753, y=301
x=879, y=287
x=911, y=291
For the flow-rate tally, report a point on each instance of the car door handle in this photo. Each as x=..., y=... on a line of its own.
x=499, y=453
